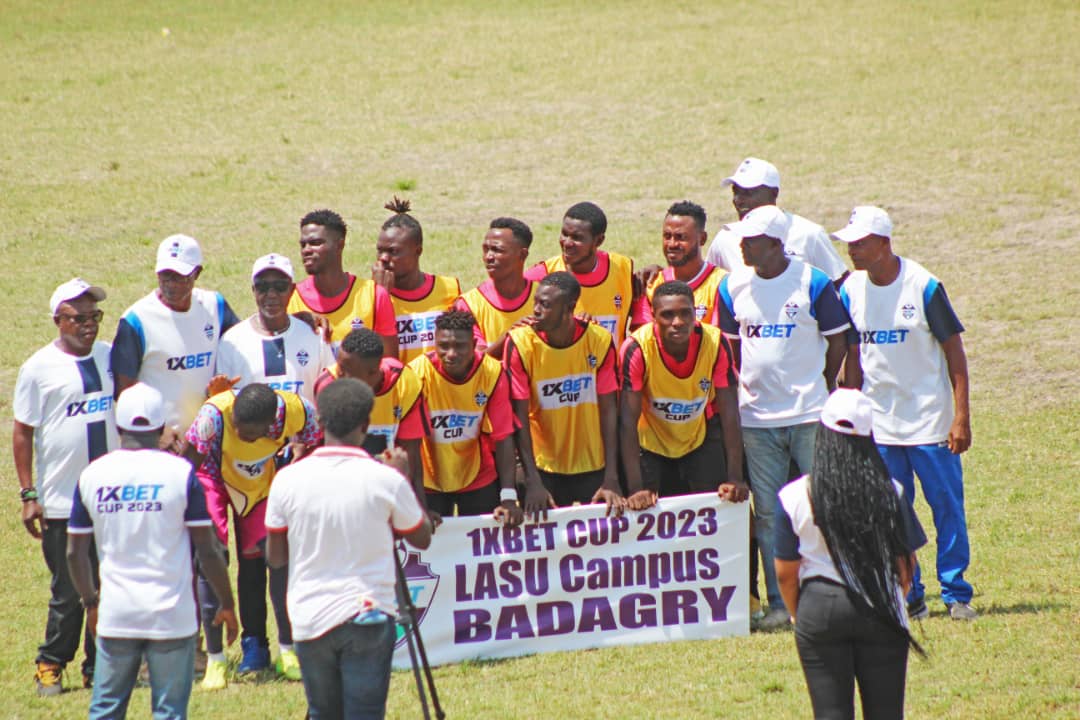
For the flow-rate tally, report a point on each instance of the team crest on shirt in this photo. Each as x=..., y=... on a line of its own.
x=618, y=301
x=791, y=309
x=422, y=584
x=397, y=412
x=208, y=331
x=591, y=360
x=480, y=398
x=699, y=312
x=908, y=311
x=704, y=384
x=302, y=357
x=357, y=323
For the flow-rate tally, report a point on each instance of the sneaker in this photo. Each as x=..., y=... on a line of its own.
x=774, y=619
x=215, y=677
x=47, y=679
x=962, y=611
x=756, y=613
x=917, y=610
x=288, y=664
x=256, y=655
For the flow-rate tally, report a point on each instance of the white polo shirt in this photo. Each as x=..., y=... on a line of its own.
x=337, y=506
x=290, y=361
x=68, y=400
x=781, y=323
x=901, y=328
x=806, y=241
x=139, y=505
x=173, y=352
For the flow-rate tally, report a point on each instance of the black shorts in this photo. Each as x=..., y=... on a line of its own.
x=481, y=501
x=701, y=470
x=568, y=489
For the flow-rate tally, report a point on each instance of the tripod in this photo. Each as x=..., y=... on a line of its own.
x=407, y=620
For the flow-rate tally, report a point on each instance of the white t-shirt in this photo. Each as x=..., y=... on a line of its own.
x=806, y=241
x=901, y=327
x=173, y=352
x=68, y=400
x=291, y=361
x=337, y=506
x=782, y=323
x=139, y=504
x=799, y=538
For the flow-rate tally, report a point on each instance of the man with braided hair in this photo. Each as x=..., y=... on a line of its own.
x=505, y=299
x=679, y=408
x=563, y=389
x=397, y=417
x=418, y=297
x=344, y=300
x=471, y=444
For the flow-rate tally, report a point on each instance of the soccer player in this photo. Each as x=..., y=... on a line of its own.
x=606, y=279
x=679, y=410
x=505, y=298
x=468, y=458
x=144, y=509
x=563, y=389
x=683, y=236
x=169, y=339
x=270, y=346
x=418, y=297
x=332, y=521
x=397, y=417
x=786, y=327
x=344, y=300
x=914, y=370
x=236, y=444
x=63, y=407
x=756, y=183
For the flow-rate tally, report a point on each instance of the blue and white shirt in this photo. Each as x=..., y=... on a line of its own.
x=290, y=361
x=68, y=400
x=901, y=327
x=781, y=323
x=139, y=505
x=806, y=241
x=173, y=352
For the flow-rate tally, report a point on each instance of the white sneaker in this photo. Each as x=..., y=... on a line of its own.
x=962, y=611
x=774, y=619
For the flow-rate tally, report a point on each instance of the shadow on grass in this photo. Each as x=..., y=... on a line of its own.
x=1024, y=608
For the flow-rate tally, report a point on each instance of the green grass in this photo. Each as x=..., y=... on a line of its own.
x=960, y=118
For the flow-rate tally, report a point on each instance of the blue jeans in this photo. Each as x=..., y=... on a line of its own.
x=346, y=672
x=769, y=452
x=172, y=666
x=942, y=481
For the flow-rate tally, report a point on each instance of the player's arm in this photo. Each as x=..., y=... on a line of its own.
x=537, y=498
x=609, y=492
x=212, y=565
x=853, y=373
x=956, y=361
x=630, y=448
x=125, y=356
x=22, y=447
x=80, y=539
x=726, y=406
x=787, y=576
x=508, y=512
x=386, y=322
x=835, y=352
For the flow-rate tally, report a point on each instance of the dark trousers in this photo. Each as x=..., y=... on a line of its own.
x=568, y=489
x=64, y=626
x=839, y=646
x=702, y=469
x=251, y=598
x=481, y=501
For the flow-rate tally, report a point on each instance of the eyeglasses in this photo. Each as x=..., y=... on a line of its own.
x=264, y=286
x=83, y=318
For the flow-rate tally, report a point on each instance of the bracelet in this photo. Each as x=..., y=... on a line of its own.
x=508, y=495
x=28, y=494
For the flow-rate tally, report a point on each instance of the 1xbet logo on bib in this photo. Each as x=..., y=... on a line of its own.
x=251, y=469
x=567, y=391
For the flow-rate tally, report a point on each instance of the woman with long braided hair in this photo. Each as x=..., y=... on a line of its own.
x=845, y=549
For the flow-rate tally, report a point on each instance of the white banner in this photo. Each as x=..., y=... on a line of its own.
x=679, y=571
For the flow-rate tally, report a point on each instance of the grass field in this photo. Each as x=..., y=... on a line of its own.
x=960, y=118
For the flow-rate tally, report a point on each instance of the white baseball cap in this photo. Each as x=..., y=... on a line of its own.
x=865, y=220
x=754, y=172
x=848, y=411
x=765, y=220
x=72, y=289
x=179, y=253
x=140, y=408
x=273, y=261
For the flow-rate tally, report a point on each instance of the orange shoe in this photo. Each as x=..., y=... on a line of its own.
x=48, y=679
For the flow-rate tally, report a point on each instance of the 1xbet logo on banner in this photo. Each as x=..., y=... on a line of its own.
x=421, y=584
